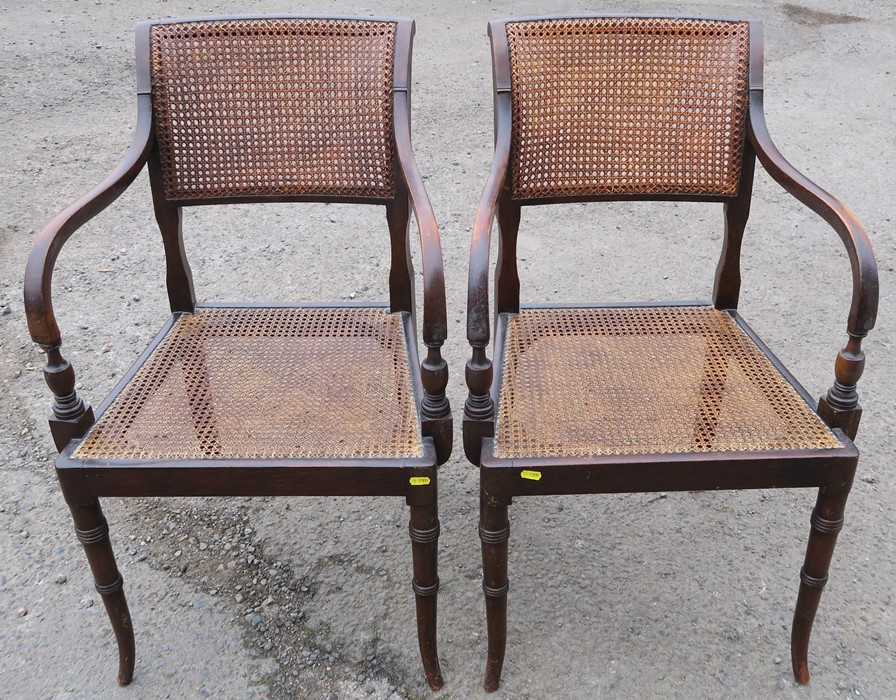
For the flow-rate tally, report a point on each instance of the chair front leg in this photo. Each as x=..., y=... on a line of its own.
x=827, y=521
x=93, y=533
x=494, y=531
x=424, y=531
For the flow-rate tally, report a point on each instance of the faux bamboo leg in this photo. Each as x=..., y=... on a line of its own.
x=494, y=529
x=424, y=530
x=826, y=520
x=93, y=533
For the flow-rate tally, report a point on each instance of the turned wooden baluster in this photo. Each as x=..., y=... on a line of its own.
x=71, y=416
x=435, y=410
x=479, y=409
x=840, y=406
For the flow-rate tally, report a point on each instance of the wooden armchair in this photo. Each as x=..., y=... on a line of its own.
x=274, y=399
x=607, y=398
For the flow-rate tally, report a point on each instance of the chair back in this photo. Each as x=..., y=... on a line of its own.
x=274, y=108
x=613, y=107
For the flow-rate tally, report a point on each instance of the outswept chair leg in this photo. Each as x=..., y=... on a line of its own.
x=424, y=531
x=93, y=533
x=826, y=520
x=494, y=530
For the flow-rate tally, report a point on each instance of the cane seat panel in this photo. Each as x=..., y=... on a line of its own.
x=644, y=380
x=273, y=383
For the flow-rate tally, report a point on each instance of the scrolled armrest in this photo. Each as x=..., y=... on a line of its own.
x=435, y=409
x=435, y=315
x=479, y=409
x=39, y=268
x=477, y=288
x=863, y=309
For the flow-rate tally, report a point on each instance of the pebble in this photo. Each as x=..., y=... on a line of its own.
x=60, y=578
x=21, y=612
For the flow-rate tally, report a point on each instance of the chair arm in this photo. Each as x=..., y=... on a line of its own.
x=39, y=269
x=477, y=287
x=479, y=409
x=435, y=316
x=435, y=409
x=863, y=309
x=840, y=406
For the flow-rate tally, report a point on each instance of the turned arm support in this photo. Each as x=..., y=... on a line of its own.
x=840, y=406
x=69, y=412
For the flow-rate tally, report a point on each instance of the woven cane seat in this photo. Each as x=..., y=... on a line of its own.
x=267, y=383
x=622, y=381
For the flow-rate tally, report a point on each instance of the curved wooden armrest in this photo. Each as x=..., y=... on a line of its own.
x=435, y=315
x=477, y=290
x=435, y=409
x=39, y=269
x=863, y=309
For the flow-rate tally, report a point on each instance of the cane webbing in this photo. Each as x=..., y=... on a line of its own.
x=620, y=381
x=267, y=383
x=627, y=106
x=270, y=107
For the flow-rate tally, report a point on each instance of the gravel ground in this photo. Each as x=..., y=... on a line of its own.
x=687, y=595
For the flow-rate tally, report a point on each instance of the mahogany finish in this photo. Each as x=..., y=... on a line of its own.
x=220, y=468
x=514, y=461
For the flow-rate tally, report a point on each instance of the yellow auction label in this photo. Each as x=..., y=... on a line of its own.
x=531, y=475
x=419, y=481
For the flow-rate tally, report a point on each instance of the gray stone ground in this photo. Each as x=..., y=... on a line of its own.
x=612, y=596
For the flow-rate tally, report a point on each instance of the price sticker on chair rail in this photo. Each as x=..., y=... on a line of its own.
x=419, y=481
x=530, y=475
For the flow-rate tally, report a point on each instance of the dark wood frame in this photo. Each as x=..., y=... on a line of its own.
x=832, y=471
x=83, y=482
